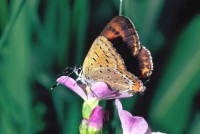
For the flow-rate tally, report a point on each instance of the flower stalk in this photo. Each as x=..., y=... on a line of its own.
x=88, y=106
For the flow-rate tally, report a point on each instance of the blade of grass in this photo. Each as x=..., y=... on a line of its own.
x=15, y=74
x=11, y=24
x=80, y=20
x=64, y=33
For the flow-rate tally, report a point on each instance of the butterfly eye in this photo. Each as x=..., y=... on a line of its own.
x=79, y=70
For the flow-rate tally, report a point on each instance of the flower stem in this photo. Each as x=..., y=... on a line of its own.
x=88, y=106
x=120, y=8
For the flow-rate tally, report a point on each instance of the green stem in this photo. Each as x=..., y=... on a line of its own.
x=88, y=107
x=120, y=8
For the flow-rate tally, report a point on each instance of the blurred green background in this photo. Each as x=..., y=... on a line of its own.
x=39, y=38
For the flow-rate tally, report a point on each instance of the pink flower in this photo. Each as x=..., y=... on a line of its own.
x=93, y=117
x=132, y=124
x=91, y=96
x=94, y=124
x=99, y=91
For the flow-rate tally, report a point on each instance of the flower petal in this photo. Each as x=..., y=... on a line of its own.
x=95, y=122
x=118, y=95
x=71, y=84
x=102, y=92
x=131, y=124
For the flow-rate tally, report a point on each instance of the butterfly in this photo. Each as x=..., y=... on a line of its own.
x=103, y=63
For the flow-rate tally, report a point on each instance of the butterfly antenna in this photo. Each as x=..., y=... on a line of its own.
x=54, y=86
x=67, y=70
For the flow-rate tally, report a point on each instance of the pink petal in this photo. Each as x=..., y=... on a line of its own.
x=102, y=92
x=99, y=90
x=96, y=119
x=71, y=84
x=131, y=124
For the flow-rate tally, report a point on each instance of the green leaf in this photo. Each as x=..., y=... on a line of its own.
x=16, y=104
x=195, y=126
x=179, y=82
x=80, y=23
x=11, y=24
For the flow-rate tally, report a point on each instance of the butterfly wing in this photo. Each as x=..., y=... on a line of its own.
x=121, y=26
x=102, y=55
x=104, y=64
x=145, y=62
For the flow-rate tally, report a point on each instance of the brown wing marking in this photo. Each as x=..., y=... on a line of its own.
x=120, y=26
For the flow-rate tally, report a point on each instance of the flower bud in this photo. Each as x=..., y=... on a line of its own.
x=95, y=123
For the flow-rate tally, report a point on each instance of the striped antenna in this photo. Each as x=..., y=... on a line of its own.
x=54, y=86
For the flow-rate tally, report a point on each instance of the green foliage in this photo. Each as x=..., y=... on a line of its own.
x=38, y=39
x=180, y=81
